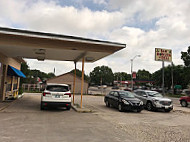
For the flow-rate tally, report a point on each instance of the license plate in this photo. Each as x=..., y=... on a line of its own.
x=57, y=96
x=166, y=107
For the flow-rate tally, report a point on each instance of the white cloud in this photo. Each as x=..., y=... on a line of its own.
x=50, y=17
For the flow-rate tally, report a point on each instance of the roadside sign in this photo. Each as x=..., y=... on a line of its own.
x=134, y=75
x=163, y=54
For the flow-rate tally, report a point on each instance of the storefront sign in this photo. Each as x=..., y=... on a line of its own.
x=134, y=75
x=163, y=54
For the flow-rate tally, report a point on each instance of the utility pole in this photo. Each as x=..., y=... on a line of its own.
x=132, y=71
x=172, y=73
x=163, y=90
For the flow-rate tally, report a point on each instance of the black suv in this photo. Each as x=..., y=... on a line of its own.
x=123, y=100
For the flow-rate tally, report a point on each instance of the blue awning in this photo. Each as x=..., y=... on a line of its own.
x=14, y=72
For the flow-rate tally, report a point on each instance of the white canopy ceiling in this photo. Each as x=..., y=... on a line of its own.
x=36, y=45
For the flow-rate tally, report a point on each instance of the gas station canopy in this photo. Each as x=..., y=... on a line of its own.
x=37, y=45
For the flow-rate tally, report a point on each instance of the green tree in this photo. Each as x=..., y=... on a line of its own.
x=31, y=75
x=185, y=56
x=102, y=75
x=180, y=74
x=50, y=75
x=25, y=69
x=143, y=74
x=122, y=76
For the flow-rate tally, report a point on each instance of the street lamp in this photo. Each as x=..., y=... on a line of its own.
x=132, y=71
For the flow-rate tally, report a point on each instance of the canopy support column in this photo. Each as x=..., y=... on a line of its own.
x=82, y=82
x=3, y=85
x=74, y=80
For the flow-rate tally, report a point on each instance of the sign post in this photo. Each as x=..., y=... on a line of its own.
x=163, y=55
x=163, y=89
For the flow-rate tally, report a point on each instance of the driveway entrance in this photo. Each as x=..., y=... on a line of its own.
x=23, y=121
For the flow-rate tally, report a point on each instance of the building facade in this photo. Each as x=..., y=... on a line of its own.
x=9, y=76
x=68, y=79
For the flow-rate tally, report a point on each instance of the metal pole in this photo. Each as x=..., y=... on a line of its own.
x=132, y=71
x=74, y=85
x=172, y=78
x=131, y=75
x=163, y=90
x=82, y=81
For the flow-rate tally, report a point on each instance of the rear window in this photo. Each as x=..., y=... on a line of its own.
x=57, y=88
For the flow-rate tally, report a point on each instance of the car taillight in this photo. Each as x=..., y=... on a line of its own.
x=68, y=94
x=45, y=93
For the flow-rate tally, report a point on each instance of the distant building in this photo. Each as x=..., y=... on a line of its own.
x=68, y=79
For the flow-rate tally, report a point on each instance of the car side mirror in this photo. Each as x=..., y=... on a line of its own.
x=144, y=95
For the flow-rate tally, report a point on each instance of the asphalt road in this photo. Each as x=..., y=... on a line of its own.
x=23, y=121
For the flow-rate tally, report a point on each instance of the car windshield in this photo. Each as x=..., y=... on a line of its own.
x=126, y=94
x=154, y=94
x=57, y=88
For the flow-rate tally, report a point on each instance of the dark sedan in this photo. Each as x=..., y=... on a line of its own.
x=124, y=101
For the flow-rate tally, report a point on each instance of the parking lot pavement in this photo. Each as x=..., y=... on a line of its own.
x=23, y=121
x=177, y=106
x=145, y=126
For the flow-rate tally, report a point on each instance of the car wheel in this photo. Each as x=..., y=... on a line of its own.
x=68, y=108
x=149, y=106
x=107, y=104
x=120, y=108
x=184, y=103
x=41, y=106
x=167, y=110
x=139, y=110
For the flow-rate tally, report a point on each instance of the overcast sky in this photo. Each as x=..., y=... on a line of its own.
x=142, y=25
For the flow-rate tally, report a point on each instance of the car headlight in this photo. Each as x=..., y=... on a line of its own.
x=156, y=101
x=141, y=102
x=125, y=102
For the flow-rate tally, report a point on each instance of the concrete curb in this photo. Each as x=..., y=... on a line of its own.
x=181, y=111
x=4, y=107
x=81, y=110
x=20, y=96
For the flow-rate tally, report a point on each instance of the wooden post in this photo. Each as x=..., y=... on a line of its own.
x=12, y=86
x=74, y=85
x=82, y=82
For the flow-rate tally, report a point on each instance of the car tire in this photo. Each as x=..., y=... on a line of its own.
x=107, y=103
x=149, y=106
x=120, y=108
x=167, y=110
x=184, y=103
x=139, y=110
x=68, y=108
x=41, y=106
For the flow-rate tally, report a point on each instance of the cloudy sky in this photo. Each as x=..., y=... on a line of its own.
x=142, y=25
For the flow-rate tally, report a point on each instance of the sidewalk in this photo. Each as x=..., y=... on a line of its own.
x=5, y=104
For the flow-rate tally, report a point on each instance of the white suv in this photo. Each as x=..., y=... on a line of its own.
x=57, y=95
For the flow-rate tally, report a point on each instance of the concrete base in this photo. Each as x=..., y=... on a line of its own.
x=81, y=110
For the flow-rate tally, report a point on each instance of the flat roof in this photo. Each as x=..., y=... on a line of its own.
x=18, y=43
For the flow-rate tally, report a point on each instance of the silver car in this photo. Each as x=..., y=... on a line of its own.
x=154, y=100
